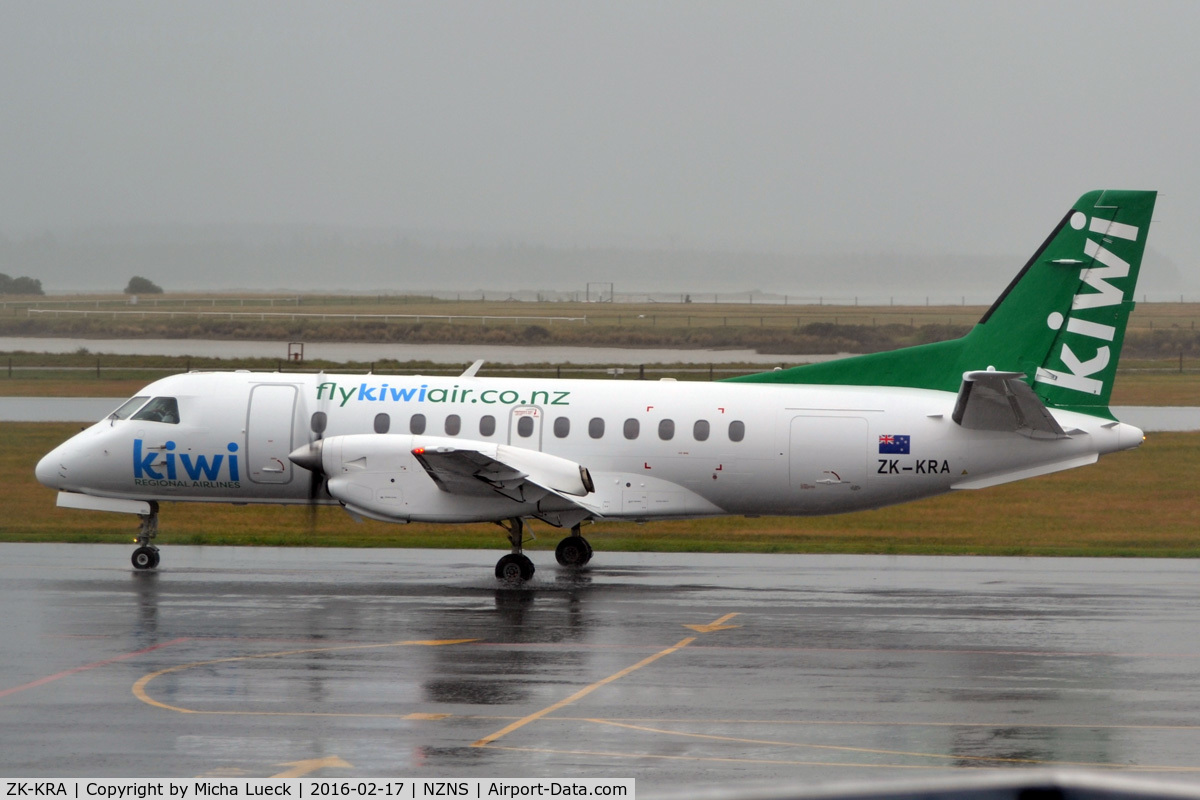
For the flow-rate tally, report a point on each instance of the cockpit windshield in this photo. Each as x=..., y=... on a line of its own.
x=160, y=409
x=129, y=406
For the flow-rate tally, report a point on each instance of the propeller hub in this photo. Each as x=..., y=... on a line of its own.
x=307, y=456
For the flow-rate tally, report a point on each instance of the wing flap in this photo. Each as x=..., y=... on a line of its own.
x=516, y=473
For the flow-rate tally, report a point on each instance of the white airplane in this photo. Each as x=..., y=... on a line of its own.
x=1025, y=393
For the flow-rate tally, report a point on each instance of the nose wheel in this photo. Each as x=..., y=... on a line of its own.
x=146, y=555
x=145, y=558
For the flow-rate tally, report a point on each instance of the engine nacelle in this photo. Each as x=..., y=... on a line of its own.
x=382, y=476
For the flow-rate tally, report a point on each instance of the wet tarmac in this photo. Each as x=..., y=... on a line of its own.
x=676, y=669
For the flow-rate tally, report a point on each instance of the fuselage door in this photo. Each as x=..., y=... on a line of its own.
x=525, y=427
x=828, y=454
x=269, y=433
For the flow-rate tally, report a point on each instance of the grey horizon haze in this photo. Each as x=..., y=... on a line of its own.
x=806, y=147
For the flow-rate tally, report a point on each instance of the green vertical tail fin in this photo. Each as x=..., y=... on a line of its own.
x=1061, y=321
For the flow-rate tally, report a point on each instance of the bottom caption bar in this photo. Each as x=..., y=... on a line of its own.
x=413, y=789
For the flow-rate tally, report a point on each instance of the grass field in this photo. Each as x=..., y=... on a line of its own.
x=673, y=314
x=1139, y=383
x=1139, y=503
x=1155, y=329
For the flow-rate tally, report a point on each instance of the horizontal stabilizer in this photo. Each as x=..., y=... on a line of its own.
x=1021, y=474
x=1001, y=401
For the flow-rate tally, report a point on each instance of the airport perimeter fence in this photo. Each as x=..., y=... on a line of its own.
x=1167, y=317
x=102, y=367
x=15, y=303
x=109, y=369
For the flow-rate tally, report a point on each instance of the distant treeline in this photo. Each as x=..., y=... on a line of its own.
x=22, y=285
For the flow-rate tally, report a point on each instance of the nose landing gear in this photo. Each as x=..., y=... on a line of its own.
x=145, y=558
x=146, y=555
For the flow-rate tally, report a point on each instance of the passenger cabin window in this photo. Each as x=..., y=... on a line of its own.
x=160, y=409
x=487, y=425
x=596, y=427
x=666, y=430
x=562, y=427
x=700, y=430
x=416, y=424
x=737, y=430
x=632, y=428
x=129, y=406
x=453, y=425
x=383, y=422
x=525, y=427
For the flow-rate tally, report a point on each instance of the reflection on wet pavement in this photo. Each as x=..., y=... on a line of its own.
x=675, y=669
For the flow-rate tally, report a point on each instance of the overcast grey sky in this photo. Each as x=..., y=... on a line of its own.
x=965, y=127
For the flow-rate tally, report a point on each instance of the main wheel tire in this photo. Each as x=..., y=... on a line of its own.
x=144, y=558
x=573, y=551
x=514, y=568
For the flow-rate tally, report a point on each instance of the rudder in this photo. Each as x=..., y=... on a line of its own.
x=1110, y=240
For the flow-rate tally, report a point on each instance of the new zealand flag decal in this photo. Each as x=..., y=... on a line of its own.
x=894, y=445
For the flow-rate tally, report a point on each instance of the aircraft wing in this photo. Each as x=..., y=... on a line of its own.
x=1001, y=401
x=514, y=472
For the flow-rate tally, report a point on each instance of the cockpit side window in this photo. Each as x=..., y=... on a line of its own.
x=129, y=406
x=160, y=409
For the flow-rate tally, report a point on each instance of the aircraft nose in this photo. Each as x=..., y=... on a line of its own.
x=51, y=471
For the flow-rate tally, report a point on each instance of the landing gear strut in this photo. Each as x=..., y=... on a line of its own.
x=515, y=567
x=573, y=551
x=146, y=555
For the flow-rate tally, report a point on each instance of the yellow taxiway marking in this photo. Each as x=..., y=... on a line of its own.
x=867, y=723
x=718, y=759
x=795, y=762
x=584, y=692
x=301, y=768
x=139, y=688
x=86, y=667
x=715, y=625
x=877, y=751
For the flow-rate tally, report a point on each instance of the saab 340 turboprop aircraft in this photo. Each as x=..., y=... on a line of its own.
x=1025, y=393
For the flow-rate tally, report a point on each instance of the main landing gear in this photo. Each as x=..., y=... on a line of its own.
x=573, y=551
x=514, y=568
x=146, y=555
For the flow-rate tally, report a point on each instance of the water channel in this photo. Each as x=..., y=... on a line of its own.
x=370, y=351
